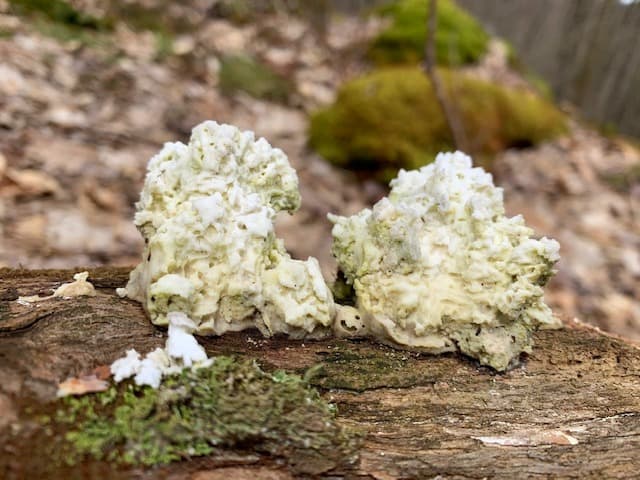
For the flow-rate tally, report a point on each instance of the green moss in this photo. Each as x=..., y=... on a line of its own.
x=60, y=20
x=64, y=33
x=343, y=293
x=624, y=180
x=231, y=405
x=352, y=367
x=246, y=74
x=149, y=16
x=163, y=44
x=459, y=38
x=246, y=11
x=390, y=119
x=59, y=11
x=237, y=11
x=6, y=33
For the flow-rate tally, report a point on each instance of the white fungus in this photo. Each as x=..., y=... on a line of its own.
x=126, y=366
x=181, y=351
x=206, y=213
x=437, y=266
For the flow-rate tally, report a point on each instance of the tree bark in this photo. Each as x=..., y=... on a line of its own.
x=571, y=410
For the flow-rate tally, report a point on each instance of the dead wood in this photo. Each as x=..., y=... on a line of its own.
x=572, y=410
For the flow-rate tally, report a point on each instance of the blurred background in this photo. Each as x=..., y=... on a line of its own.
x=545, y=95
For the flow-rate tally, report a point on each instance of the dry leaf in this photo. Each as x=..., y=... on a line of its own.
x=102, y=372
x=82, y=385
x=33, y=182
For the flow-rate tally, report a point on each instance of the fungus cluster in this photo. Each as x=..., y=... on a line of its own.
x=436, y=266
x=206, y=213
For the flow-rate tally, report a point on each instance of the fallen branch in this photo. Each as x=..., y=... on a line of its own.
x=572, y=410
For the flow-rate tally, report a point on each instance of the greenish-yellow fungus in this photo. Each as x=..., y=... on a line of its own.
x=229, y=404
x=206, y=213
x=438, y=267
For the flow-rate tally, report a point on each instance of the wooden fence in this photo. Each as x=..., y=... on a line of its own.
x=587, y=50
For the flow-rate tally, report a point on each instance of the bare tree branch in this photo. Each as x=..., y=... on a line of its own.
x=450, y=115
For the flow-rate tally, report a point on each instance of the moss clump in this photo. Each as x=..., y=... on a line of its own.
x=246, y=74
x=231, y=405
x=390, y=119
x=459, y=38
x=59, y=11
x=66, y=21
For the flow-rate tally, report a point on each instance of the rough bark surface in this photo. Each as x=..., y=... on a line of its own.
x=572, y=410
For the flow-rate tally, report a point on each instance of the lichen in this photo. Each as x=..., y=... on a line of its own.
x=232, y=404
x=390, y=119
x=438, y=267
x=206, y=213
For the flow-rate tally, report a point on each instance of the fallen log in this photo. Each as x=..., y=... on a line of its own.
x=571, y=410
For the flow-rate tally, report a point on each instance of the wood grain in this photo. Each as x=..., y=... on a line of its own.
x=572, y=410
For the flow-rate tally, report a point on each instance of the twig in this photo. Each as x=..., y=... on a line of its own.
x=452, y=119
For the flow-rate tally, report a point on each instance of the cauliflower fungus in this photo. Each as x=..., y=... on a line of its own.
x=437, y=266
x=206, y=213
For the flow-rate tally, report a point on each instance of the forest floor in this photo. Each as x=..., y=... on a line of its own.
x=80, y=117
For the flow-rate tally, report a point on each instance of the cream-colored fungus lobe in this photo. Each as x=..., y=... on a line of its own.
x=206, y=213
x=437, y=266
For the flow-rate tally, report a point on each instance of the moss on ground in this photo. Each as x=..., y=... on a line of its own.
x=67, y=22
x=246, y=74
x=390, y=119
x=60, y=11
x=623, y=181
x=231, y=405
x=61, y=20
x=459, y=38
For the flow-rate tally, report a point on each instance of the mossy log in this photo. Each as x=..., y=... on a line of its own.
x=571, y=410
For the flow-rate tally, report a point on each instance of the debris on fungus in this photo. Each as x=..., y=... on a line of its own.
x=206, y=213
x=437, y=266
x=80, y=287
x=229, y=404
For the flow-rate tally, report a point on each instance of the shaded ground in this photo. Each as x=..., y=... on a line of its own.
x=80, y=118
